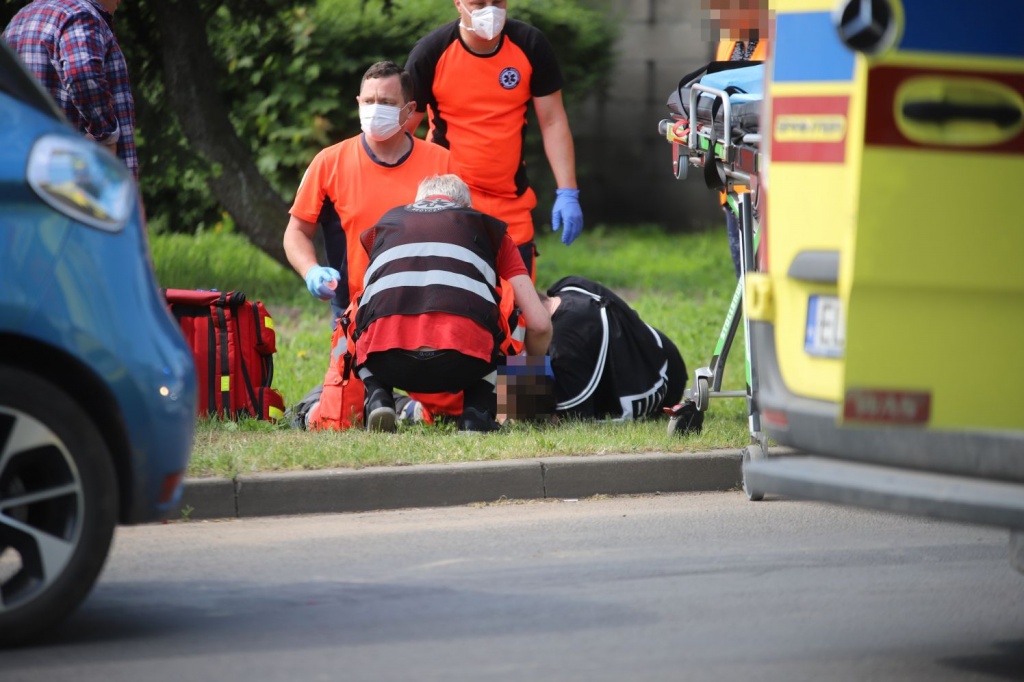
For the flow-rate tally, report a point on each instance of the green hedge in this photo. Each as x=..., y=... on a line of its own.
x=291, y=80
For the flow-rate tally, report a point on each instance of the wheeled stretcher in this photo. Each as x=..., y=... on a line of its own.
x=722, y=138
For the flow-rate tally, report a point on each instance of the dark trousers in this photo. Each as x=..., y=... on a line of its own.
x=529, y=253
x=732, y=228
x=435, y=371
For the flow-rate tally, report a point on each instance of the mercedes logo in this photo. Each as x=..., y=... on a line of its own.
x=868, y=26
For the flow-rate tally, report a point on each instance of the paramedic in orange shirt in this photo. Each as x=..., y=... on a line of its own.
x=476, y=75
x=428, y=316
x=742, y=26
x=738, y=24
x=364, y=177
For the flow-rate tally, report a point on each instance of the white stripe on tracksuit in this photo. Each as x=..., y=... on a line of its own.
x=595, y=379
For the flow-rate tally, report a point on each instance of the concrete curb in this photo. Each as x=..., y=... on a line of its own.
x=437, y=485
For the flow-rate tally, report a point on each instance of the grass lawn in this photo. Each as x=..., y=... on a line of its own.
x=680, y=284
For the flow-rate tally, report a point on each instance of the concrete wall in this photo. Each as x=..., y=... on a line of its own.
x=629, y=165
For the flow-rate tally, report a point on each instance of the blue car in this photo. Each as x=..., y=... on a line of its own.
x=97, y=385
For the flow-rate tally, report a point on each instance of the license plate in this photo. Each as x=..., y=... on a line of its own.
x=826, y=330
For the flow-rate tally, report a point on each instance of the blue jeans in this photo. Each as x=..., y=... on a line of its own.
x=732, y=228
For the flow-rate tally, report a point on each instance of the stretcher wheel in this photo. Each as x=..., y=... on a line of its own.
x=752, y=453
x=684, y=419
x=674, y=424
x=702, y=395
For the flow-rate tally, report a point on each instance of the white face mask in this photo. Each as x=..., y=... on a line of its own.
x=380, y=121
x=487, y=21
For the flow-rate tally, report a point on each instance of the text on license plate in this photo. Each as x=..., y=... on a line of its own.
x=826, y=329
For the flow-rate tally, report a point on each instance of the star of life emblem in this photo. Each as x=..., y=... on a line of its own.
x=509, y=77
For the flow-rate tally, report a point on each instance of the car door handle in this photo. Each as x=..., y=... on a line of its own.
x=1003, y=115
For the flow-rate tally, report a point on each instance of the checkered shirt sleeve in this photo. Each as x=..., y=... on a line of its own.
x=75, y=55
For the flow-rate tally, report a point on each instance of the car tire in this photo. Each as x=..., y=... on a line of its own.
x=58, y=504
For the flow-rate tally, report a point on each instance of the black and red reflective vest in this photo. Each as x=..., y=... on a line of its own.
x=432, y=256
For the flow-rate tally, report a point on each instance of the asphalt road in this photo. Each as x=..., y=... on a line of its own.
x=670, y=587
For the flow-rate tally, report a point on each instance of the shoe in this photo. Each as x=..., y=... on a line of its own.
x=473, y=420
x=380, y=412
x=409, y=411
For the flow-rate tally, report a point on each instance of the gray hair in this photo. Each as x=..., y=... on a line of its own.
x=449, y=185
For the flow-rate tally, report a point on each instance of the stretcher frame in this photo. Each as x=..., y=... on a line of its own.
x=726, y=164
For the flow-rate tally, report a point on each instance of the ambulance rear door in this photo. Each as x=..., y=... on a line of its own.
x=932, y=280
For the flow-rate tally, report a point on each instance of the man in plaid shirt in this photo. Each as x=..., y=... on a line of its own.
x=70, y=47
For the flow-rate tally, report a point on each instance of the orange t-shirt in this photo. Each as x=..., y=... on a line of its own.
x=362, y=190
x=726, y=47
x=478, y=103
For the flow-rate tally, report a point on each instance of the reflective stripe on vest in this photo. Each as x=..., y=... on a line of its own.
x=427, y=249
x=425, y=279
x=519, y=333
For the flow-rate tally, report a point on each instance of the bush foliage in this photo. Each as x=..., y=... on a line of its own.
x=290, y=72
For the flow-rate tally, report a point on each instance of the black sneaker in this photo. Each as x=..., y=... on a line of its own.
x=473, y=420
x=380, y=412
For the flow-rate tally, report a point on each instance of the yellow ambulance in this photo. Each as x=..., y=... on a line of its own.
x=887, y=321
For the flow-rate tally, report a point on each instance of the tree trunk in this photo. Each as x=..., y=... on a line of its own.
x=190, y=76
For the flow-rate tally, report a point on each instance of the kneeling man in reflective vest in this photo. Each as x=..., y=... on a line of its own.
x=428, y=317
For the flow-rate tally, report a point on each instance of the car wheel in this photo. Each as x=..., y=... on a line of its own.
x=58, y=504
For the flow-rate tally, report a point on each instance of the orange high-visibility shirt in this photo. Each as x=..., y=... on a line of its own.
x=476, y=106
x=726, y=47
x=363, y=189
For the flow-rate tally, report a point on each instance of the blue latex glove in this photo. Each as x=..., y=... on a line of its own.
x=567, y=210
x=317, y=280
x=527, y=365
